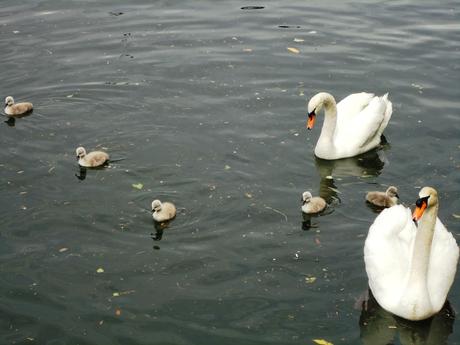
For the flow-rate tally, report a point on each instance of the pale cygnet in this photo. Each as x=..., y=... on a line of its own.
x=384, y=199
x=163, y=211
x=92, y=159
x=312, y=204
x=15, y=109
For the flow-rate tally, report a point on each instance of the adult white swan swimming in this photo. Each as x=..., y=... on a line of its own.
x=351, y=127
x=411, y=268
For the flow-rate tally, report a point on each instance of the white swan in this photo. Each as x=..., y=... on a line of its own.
x=92, y=159
x=411, y=268
x=163, y=211
x=16, y=109
x=351, y=127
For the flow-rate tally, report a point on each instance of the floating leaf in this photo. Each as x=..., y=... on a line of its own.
x=293, y=50
x=138, y=185
x=64, y=249
x=298, y=40
x=118, y=312
x=310, y=280
x=322, y=342
x=100, y=270
x=455, y=215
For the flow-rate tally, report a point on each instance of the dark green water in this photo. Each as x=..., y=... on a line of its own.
x=207, y=106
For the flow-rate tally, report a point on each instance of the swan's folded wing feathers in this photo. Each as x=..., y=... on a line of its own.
x=387, y=253
x=371, y=119
x=352, y=105
x=443, y=265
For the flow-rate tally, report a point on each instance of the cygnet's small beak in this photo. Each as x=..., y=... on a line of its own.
x=397, y=195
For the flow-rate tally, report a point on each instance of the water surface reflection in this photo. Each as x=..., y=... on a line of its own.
x=379, y=327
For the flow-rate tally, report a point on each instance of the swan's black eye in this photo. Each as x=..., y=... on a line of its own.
x=422, y=201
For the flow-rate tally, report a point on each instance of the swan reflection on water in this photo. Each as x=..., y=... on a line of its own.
x=11, y=120
x=367, y=164
x=379, y=327
x=159, y=228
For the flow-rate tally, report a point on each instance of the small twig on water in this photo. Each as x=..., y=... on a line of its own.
x=277, y=211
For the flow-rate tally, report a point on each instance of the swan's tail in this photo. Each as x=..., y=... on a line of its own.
x=388, y=112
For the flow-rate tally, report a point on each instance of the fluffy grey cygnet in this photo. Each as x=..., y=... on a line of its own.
x=384, y=199
x=311, y=204
x=15, y=109
x=163, y=211
x=92, y=159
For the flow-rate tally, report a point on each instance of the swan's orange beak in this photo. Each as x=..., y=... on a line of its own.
x=420, y=207
x=311, y=120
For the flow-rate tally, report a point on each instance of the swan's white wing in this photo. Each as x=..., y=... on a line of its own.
x=361, y=130
x=366, y=124
x=443, y=265
x=387, y=254
x=353, y=104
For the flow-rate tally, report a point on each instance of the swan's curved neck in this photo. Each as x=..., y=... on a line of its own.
x=330, y=119
x=422, y=250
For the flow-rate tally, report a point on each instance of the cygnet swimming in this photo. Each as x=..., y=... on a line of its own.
x=91, y=159
x=384, y=199
x=163, y=211
x=311, y=205
x=15, y=109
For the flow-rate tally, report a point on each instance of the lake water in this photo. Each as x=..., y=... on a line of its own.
x=205, y=104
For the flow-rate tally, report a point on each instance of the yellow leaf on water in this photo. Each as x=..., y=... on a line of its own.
x=138, y=185
x=293, y=50
x=310, y=280
x=322, y=342
x=100, y=270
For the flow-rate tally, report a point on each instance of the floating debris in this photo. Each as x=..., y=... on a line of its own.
x=289, y=26
x=310, y=280
x=252, y=7
x=322, y=342
x=138, y=185
x=293, y=50
x=115, y=13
